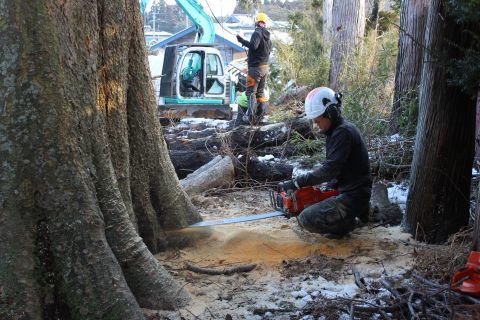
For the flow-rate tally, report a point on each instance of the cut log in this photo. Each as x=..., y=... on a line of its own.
x=263, y=171
x=186, y=162
x=381, y=209
x=216, y=173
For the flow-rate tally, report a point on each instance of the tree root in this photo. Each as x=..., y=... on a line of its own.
x=226, y=271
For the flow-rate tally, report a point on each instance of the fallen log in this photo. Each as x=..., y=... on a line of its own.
x=186, y=162
x=243, y=137
x=225, y=271
x=217, y=173
x=263, y=171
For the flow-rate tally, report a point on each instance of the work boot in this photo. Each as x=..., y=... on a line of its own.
x=241, y=118
x=250, y=115
x=261, y=106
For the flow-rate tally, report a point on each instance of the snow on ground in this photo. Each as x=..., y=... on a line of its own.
x=293, y=265
x=208, y=122
x=398, y=193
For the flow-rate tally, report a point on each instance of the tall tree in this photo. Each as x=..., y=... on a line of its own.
x=82, y=160
x=438, y=200
x=348, y=23
x=327, y=22
x=413, y=15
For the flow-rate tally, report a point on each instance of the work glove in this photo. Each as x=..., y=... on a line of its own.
x=239, y=38
x=286, y=186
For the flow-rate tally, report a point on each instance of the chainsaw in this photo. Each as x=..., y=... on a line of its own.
x=288, y=204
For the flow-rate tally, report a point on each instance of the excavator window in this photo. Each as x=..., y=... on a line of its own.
x=191, y=84
x=214, y=72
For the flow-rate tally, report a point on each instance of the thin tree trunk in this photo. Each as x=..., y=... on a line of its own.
x=76, y=100
x=413, y=16
x=348, y=25
x=438, y=199
x=327, y=23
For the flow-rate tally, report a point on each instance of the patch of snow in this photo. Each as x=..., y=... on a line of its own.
x=334, y=290
x=398, y=194
x=267, y=157
x=297, y=169
x=208, y=122
x=474, y=172
x=395, y=137
x=299, y=294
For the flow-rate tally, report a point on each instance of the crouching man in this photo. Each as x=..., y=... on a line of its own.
x=346, y=163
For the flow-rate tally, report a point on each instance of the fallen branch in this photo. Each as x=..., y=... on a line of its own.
x=226, y=271
x=262, y=311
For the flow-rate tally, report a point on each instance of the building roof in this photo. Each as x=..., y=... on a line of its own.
x=222, y=35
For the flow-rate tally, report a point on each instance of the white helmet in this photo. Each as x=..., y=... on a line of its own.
x=318, y=100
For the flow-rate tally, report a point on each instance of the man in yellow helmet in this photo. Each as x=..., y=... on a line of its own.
x=259, y=48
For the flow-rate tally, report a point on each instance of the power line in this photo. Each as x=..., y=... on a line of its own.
x=211, y=11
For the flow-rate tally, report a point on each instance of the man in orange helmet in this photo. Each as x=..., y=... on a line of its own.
x=259, y=48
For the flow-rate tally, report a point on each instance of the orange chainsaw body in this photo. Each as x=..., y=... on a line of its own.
x=467, y=280
x=292, y=203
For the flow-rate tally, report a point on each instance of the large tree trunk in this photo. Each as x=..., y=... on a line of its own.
x=348, y=25
x=80, y=152
x=477, y=134
x=438, y=200
x=413, y=16
x=476, y=227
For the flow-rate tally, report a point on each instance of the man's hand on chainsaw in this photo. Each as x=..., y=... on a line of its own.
x=286, y=186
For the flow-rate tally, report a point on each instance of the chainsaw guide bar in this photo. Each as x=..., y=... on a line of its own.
x=237, y=219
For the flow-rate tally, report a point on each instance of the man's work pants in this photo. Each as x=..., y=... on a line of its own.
x=336, y=215
x=256, y=80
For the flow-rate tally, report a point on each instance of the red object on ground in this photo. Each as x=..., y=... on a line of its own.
x=294, y=203
x=467, y=280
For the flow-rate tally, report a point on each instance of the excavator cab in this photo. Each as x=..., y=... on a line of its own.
x=194, y=83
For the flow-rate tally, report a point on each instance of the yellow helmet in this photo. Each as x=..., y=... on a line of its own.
x=261, y=17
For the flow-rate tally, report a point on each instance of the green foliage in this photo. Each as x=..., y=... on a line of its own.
x=281, y=114
x=465, y=72
x=311, y=151
x=407, y=121
x=368, y=84
x=304, y=60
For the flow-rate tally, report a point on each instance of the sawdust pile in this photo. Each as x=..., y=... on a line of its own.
x=293, y=266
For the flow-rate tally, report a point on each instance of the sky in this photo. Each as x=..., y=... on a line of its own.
x=220, y=8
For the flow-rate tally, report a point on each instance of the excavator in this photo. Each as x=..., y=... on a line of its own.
x=194, y=80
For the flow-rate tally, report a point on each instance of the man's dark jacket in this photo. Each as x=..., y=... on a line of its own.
x=347, y=161
x=259, y=47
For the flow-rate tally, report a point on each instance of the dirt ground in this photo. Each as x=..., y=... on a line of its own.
x=293, y=266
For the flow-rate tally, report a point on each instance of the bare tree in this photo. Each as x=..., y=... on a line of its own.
x=413, y=15
x=348, y=23
x=82, y=160
x=438, y=200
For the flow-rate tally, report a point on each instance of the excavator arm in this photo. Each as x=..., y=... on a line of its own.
x=202, y=21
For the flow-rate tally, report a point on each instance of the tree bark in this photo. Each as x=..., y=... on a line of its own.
x=476, y=226
x=411, y=44
x=82, y=158
x=327, y=23
x=348, y=25
x=438, y=199
x=477, y=134
x=217, y=173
